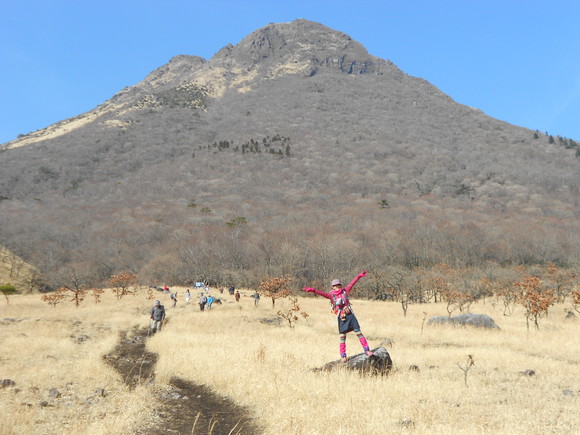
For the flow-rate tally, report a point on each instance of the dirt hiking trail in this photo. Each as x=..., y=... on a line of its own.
x=184, y=407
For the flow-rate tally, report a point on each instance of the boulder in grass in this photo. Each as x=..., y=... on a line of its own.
x=476, y=320
x=5, y=383
x=380, y=363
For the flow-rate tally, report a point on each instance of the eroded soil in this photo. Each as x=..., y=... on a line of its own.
x=184, y=407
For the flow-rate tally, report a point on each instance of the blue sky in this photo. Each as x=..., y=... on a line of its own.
x=517, y=60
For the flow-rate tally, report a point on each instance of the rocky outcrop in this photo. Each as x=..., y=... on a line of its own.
x=380, y=363
x=476, y=320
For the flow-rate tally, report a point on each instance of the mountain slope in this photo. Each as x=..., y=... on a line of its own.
x=292, y=125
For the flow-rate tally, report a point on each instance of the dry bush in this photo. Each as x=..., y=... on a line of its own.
x=291, y=312
x=576, y=299
x=54, y=298
x=275, y=288
x=78, y=295
x=561, y=280
x=535, y=300
x=508, y=296
x=97, y=294
x=123, y=284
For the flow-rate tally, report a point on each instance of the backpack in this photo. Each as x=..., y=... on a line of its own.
x=172, y=296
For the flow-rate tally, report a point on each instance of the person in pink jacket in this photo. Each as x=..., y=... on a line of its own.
x=340, y=304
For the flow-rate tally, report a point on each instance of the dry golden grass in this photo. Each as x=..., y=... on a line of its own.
x=238, y=351
x=45, y=347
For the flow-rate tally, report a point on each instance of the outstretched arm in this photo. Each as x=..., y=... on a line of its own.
x=349, y=287
x=318, y=292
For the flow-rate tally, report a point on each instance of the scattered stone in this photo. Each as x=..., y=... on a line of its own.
x=476, y=320
x=6, y=383
x=570, y=315
x=408, y=424
x=414, y=368
x=452, y=345
x=81, y=338
x=528, y=372
x=43, y=404
x=272, y=321
x=380, y=363
x=8, y=320
x=100, y=392
x=567, y=392
x=54, y=393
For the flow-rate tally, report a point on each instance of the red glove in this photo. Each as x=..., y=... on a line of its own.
x=362, y=274
x=308, y=289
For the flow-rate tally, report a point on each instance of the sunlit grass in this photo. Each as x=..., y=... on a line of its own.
x=241, y=352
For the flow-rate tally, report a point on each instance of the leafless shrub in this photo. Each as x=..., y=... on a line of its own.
x=465, y=368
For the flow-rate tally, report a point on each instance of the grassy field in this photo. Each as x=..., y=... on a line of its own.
x=241, y=351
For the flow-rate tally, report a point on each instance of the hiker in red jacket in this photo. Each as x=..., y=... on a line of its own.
x=340, y=304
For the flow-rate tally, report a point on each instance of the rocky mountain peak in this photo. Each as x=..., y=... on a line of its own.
x=300, y=45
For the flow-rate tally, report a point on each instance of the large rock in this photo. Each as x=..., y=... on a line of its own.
x=380, y=363
x=477, y=320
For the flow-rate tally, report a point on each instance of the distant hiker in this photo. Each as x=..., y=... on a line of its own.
x=231, y=290
x=187, y=296
x=209, y=302
x=256, y=297
x=221, y=290
x=157, y=317
x=237, y=296
x=174, y=299
x=340, y=305
x=202, y=302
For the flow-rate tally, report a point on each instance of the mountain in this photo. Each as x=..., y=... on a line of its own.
x=14, y=270
x=295, y=142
